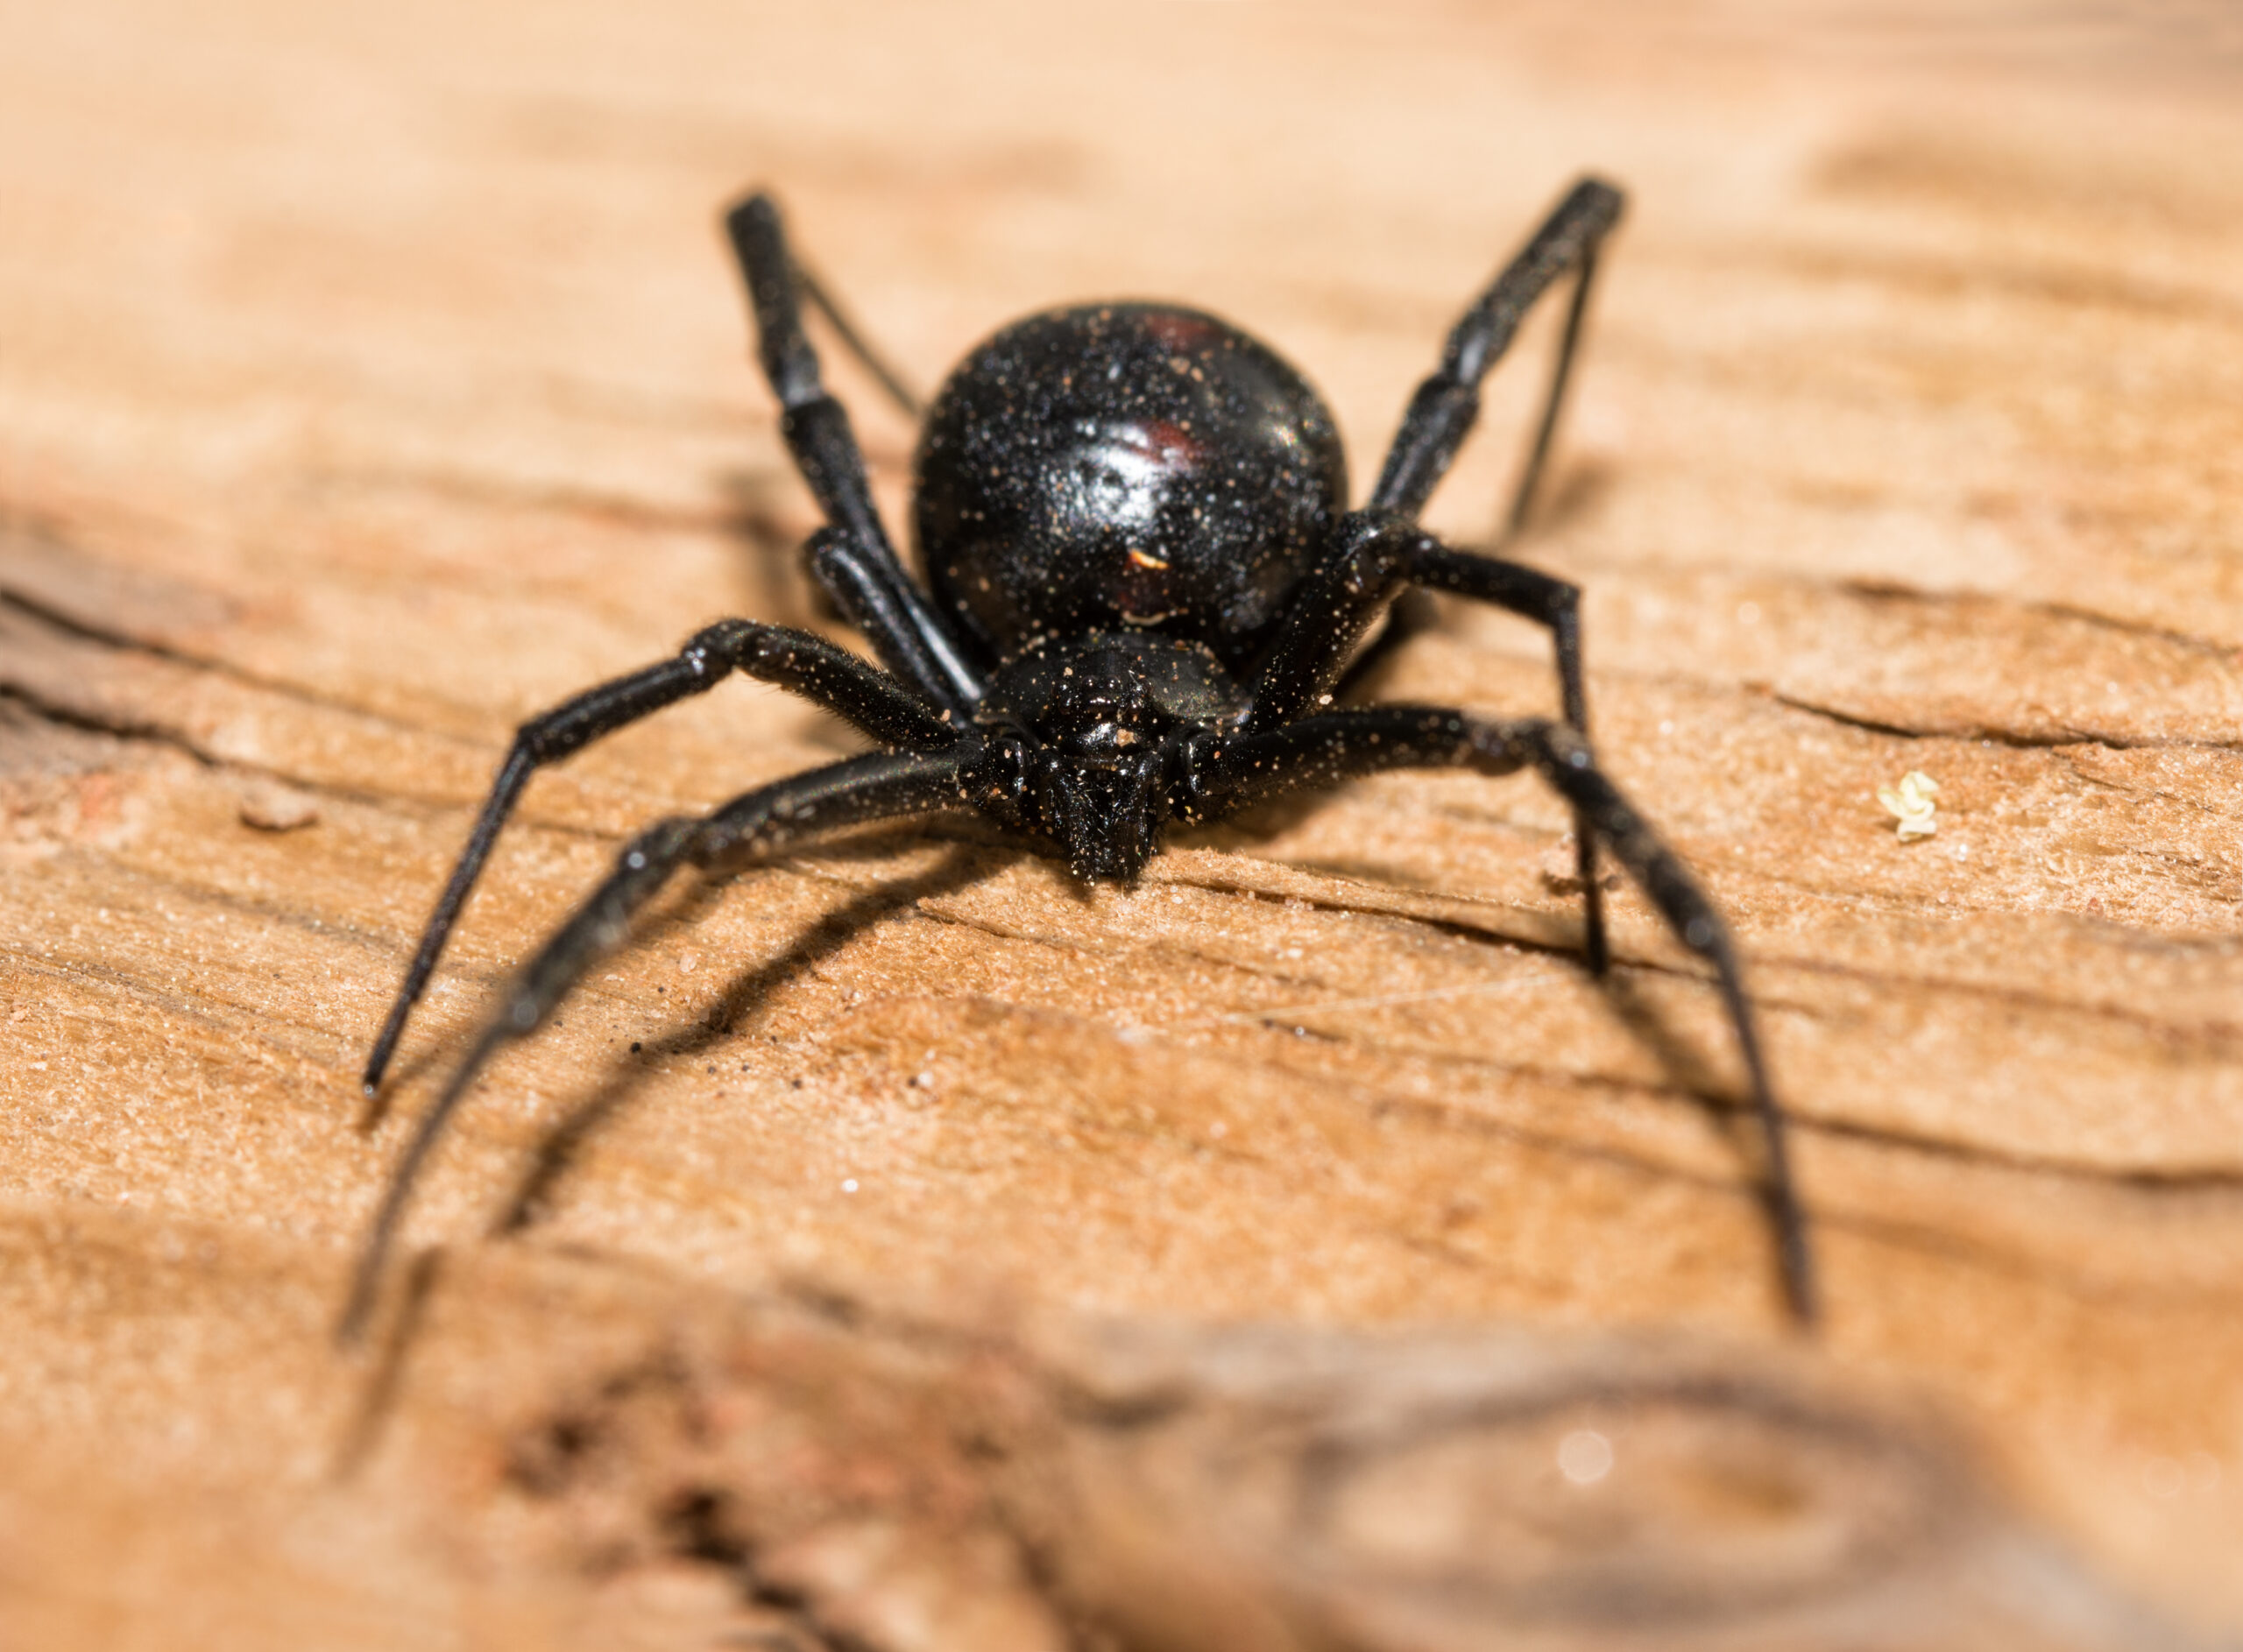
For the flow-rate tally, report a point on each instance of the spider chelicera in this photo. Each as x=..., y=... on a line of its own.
x=1145, y=594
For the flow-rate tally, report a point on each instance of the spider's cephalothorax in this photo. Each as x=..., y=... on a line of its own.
x=1095, y=741
x=1146, y=597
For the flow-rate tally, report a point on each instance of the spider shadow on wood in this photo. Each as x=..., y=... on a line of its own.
x=962, y=866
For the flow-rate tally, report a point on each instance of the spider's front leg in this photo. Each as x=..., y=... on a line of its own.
x=1378, y=556
x=878, y=787
x=1338, y=745
x=794, y=659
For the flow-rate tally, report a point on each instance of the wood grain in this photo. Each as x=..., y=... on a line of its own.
x=370, y=380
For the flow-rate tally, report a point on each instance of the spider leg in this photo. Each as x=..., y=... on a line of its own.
x=845, y=328
x=1411, y=614
x=794, y=659
x=1340, y=744
x=878, y=785
x=1441, y=412
x=1376, y=559
x=860, y=568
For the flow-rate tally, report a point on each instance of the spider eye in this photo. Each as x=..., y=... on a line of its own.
x=1101, y=739
x=1102, y=706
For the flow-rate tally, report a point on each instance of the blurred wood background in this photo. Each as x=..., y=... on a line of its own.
x=369, y=378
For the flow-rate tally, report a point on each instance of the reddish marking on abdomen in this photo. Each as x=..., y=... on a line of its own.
x=1178, y=330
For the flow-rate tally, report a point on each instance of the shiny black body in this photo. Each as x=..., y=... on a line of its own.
x=1124, y=465
x=1145, y=597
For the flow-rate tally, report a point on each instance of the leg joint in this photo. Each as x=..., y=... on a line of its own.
x=1376, y=554
x=1508, y=747
x=658, y=844
x=727, y=645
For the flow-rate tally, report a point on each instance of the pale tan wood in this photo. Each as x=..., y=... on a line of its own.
x=369, y=382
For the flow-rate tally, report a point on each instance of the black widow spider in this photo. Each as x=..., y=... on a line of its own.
x=1147, y=591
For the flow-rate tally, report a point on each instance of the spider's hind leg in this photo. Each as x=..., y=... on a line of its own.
x=856, y=564
x=1446, y=404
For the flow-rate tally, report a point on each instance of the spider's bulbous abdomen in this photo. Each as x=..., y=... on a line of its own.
x=1124, y=465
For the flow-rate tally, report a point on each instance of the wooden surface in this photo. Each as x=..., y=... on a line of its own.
x=370, y=380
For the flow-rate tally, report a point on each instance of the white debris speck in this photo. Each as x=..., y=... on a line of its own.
x=272, y=807
x=2163, y=1477
x=1910, y=803
x=1584, y=1456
